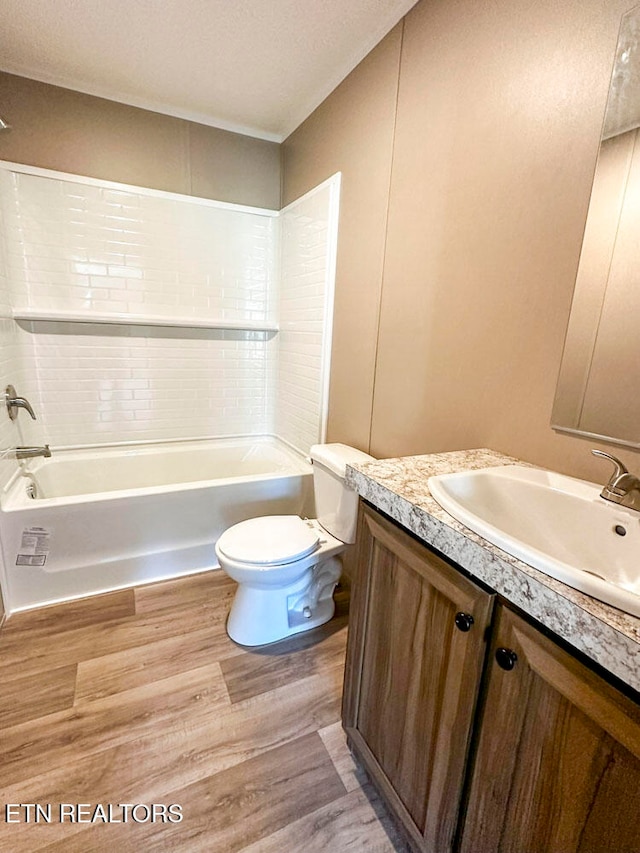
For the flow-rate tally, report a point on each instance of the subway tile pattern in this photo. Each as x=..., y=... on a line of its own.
x=297, y=410
x=124, y=383
x=304, y=281
x=93, y=249
x=78, y=247
x=10, y=371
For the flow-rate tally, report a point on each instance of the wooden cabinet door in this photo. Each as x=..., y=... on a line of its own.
x=557, y=769
x=413, y=676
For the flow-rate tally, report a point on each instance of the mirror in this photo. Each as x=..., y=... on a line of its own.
x=598, y=392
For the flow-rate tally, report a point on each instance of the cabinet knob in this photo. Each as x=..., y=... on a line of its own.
x=506, y=658
x=463, y=621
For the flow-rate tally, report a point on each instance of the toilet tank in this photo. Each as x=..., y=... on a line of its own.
x=336, y=504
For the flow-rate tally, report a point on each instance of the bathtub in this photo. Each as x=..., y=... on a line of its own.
x=87, y=521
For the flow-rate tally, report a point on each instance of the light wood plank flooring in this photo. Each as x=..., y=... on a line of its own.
x=139, y=697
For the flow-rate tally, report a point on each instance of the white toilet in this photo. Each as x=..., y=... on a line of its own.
x=286, y=566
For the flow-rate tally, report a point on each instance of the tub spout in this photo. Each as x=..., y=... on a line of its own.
x=30, y=452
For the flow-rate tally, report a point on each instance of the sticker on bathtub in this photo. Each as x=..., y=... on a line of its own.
x=34, y=546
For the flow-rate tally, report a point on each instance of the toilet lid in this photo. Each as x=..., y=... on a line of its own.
x=268, y=540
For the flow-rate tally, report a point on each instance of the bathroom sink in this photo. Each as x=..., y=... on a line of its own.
x=554, y=523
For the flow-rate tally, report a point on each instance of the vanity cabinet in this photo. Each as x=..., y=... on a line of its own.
x=416, y=649
x=482, y=734
x=557, y=766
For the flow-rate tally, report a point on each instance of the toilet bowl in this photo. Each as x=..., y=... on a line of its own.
x=287, y=567
x=286, y=574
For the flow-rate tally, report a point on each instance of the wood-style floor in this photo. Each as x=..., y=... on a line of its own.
x=139, y=697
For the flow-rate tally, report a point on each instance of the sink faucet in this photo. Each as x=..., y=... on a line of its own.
x=623, y=488
x=30, y=452
x=14, y=403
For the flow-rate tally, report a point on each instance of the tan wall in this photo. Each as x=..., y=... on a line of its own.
x=60, y=129
x=498, y=120
x=352, y=132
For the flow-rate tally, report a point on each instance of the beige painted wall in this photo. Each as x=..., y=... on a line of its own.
x=352, y=132
x=499, y=111
x=60, y=129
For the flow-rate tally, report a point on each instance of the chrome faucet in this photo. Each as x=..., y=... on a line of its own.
x=14, y=403
x=623, y=488
x=30, y=452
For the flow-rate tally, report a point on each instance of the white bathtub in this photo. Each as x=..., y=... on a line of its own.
x=112, y=517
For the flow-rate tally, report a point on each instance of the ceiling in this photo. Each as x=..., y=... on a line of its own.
x=254, y=66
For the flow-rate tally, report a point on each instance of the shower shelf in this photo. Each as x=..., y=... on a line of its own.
x=36, y=315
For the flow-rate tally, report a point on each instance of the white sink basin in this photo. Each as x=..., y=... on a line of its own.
x=556, y=524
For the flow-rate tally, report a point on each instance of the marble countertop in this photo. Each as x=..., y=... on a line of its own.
x=398, y=487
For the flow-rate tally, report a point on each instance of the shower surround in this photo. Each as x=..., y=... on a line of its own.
x=146, y=316
x=133, y=317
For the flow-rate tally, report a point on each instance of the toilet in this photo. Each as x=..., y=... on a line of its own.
x=286, y=566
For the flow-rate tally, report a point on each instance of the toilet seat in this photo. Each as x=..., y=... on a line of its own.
x=269, y=541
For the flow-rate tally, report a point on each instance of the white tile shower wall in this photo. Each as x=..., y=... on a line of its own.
x=123, y=383
x=10, y=373
x=307, y=229
x=76, y=247
x=87, y=248
x=298, y=404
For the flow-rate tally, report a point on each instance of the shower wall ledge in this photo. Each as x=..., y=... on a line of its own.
x=36, y=315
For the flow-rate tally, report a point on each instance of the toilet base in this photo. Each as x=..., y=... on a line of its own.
x=260, y=615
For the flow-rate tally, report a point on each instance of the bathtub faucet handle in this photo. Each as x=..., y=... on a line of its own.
x=14, y=403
